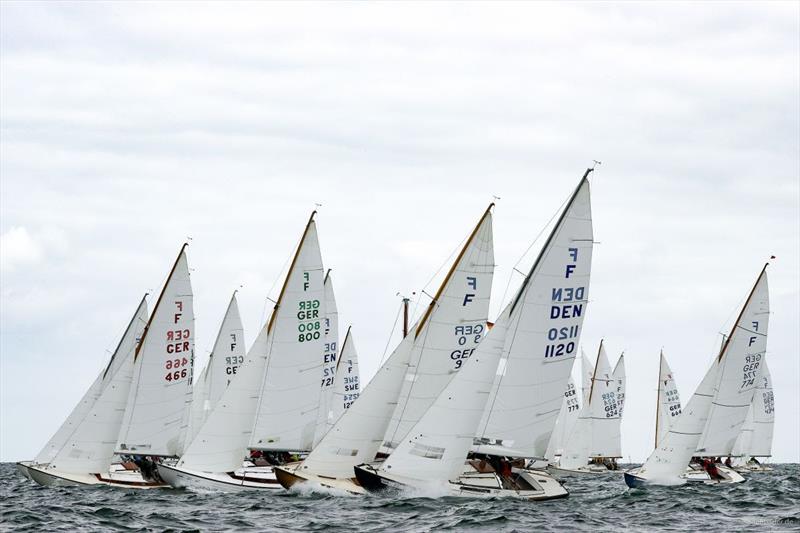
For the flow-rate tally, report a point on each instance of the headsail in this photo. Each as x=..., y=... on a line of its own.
x=546, y=318
x=286, y=416
x=157, y=413
x=90, y=447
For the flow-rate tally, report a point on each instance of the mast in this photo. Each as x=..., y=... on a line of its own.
x=289, y=272
x=594, y=374
x=727, y=341
x=160, y=296
x=130, y=325
x=549, y=239
x=405, y=317
x=429, y=310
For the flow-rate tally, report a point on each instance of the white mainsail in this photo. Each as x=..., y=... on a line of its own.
x=619, y=379
x=744, y=348
x=347, y=386
x=225, y=361
x=755, y=439
x=449, y=331
x=158, y=408
x=329, y=363
x=668, y=407
x=80, y=411
x=740, y=374
x=90, y=446
x=286, y=416
x=544, y=330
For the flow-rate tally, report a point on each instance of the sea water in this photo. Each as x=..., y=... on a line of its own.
x=767, y=501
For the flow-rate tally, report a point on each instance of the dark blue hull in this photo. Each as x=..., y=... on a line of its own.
x=634, y=482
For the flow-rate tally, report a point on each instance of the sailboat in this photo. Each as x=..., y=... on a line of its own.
x=468, y=443
x=755, y=439
x=270, y=407
x=329, y=363
x=226, y=359
x=594, y=445
x=422, y=364
x=711, y=421
x=347, y=384
x=90, y=421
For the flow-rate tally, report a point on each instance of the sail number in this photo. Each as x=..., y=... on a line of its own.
x=178, y=343
x=464, y=334
x=308, y=331
x=750, y=369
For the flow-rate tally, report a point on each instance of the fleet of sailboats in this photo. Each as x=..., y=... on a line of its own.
x=461, y=407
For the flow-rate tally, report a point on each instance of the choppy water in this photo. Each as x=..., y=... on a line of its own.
x=766, y=502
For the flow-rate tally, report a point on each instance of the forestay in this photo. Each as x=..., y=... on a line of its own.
x=158, y=407
x=329, y=363
x=740, y=373
x=286, y=415
x=544, y=330
x=449, y=331
x=668, y=408
x=226, y=359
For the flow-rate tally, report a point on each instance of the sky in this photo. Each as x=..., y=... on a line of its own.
x=128, y=128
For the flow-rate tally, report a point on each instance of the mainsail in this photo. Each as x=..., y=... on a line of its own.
x=90, y=446
x=668, y=406
x=567, y=416
x=329, y=363
x=448, y=333
x=158, y=408
x=755, y=439
x=286, y=415
x=619, y=380
x=225, y=361
x=545, y=323
x=347, y=386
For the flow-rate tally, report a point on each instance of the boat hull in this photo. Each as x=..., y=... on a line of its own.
x=589, y=469
x=22, y=468
x=289, y=476
x=692, y=475
x=120, y=479
x=243, y=479
x=533, y=485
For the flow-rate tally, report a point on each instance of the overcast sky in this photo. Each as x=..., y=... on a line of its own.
x=127, y=127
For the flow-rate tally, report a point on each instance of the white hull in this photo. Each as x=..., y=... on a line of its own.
x=289, y=477
x=531, y=485
x=698, y=475
x=588, y=469
x=246, y=478
x=119, y=478
x=22, y=468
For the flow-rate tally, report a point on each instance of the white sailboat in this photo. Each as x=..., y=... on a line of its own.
x=81, y=451
x=755, y=439
x=479, y=399
x=567, y=417
x=595, y=445
x=711, y=421
x=411, y=378
x=225, y=361
x=271, y=405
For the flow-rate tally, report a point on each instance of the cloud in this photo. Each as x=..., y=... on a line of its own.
x=17, y=248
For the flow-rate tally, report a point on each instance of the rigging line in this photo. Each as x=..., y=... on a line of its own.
x=438, y=270
x=391, y=334
x=275, y=282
